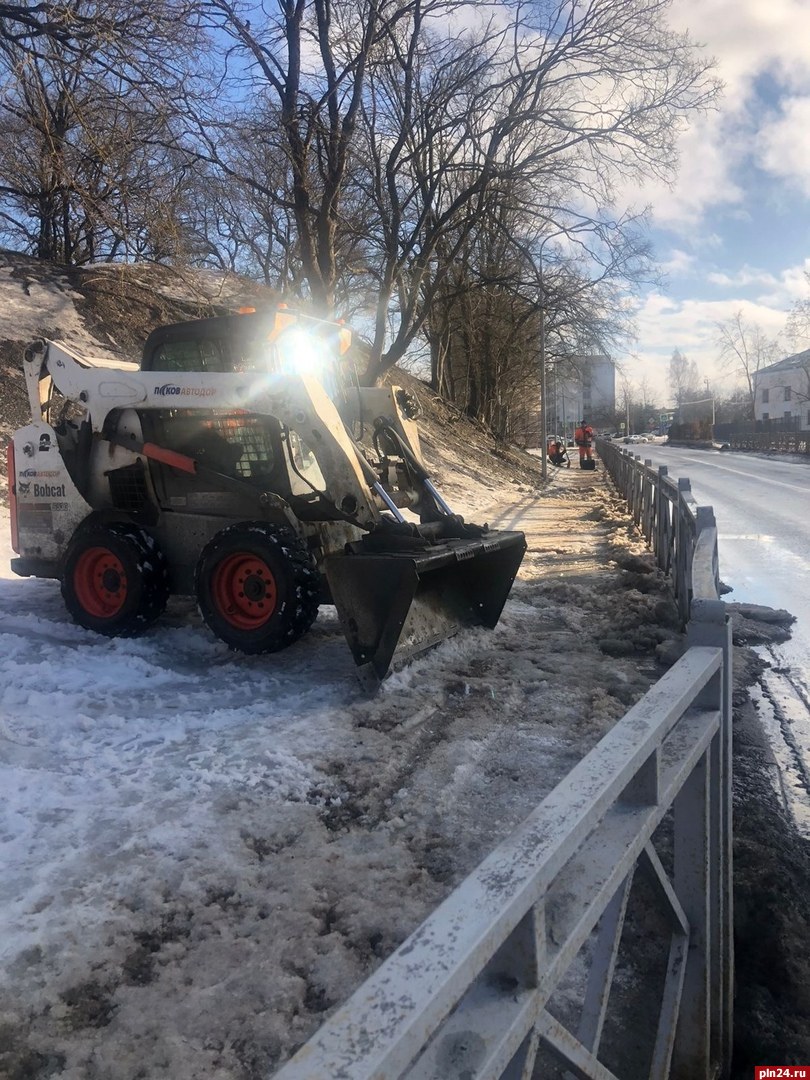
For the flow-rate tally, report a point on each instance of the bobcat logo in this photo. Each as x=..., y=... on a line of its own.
x=22, y=488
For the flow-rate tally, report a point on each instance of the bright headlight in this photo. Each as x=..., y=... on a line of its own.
x=301, y=354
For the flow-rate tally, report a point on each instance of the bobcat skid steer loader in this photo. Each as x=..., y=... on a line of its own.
x=238, y=464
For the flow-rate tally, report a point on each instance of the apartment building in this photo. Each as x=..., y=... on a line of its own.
x=582, y=387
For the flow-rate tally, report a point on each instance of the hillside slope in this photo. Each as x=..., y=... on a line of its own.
x=104, y=310
x=109, y=310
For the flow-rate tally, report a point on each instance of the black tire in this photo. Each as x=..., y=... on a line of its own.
x=114, y=579
x=257, y=587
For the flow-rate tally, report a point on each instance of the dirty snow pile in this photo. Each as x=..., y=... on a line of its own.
x=205, y=852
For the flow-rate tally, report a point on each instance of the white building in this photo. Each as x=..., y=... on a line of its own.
x=582, y=388
x=782, y=391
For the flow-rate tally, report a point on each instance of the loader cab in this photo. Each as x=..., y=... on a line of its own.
x=238, y=444
x=217, y=345
x=252, y=342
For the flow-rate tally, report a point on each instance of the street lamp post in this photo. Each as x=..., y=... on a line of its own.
x=543, y=408
x=543, y=411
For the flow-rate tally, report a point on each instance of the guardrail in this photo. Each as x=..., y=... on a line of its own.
x=467, y=995
x=670, y=519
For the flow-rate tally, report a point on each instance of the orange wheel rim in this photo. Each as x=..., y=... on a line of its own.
x=243, y=589
x=100, y=583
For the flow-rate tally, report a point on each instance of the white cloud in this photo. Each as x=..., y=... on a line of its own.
x=763, y=54
x=794, y=282
x=777, y=292
x=691, y=326
x=749, y=39
x=680, y=264
x=744, y=278
x=708, y=155
x=784, y=149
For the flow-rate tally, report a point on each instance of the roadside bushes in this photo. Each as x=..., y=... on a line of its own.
x=691, y=431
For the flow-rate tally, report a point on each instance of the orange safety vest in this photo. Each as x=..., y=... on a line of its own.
x=583, y=436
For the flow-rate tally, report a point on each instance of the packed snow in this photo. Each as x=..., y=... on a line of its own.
x=204, y=852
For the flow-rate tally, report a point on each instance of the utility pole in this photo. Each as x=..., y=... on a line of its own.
x=708, y=391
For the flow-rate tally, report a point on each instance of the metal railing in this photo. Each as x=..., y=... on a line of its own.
x=670, y=520
x=467, y=995
x=786, y=442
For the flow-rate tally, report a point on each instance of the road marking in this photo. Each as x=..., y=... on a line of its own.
x=750, y=476
x=747, y=536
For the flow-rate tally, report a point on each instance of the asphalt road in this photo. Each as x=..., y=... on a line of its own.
x=762, y=507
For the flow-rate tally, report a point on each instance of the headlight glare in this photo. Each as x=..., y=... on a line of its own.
x=301, y=354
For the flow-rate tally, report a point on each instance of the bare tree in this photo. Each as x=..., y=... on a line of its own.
x=82, y=176
x=432, y=124
x=237, y=218
x=484, y=337
x=310, y=61
x=646, y=392
x=511, y=115
x=137, y=41
x=684, y=378
x=495, y=303
x=89, y=164
x=33, y=28
x=745, y=349
x=627, y=402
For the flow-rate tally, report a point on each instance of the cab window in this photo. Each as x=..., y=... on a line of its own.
x=254, y=355
x=204, y=355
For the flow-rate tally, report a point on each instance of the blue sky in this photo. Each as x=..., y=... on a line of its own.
x=733, y=233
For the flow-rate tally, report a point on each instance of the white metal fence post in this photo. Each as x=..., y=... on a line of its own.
x=663, y=545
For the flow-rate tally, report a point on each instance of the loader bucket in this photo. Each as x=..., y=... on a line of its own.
x=393, y=605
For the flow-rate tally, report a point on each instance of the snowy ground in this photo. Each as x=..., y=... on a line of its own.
x=205, y=852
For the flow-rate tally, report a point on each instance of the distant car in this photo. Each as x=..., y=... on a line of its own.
x=634, y=439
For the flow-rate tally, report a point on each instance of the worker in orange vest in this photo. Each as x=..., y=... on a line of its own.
x=583, y=437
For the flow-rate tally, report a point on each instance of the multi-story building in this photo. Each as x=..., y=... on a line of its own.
x=582, y=388
x=782, y=391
